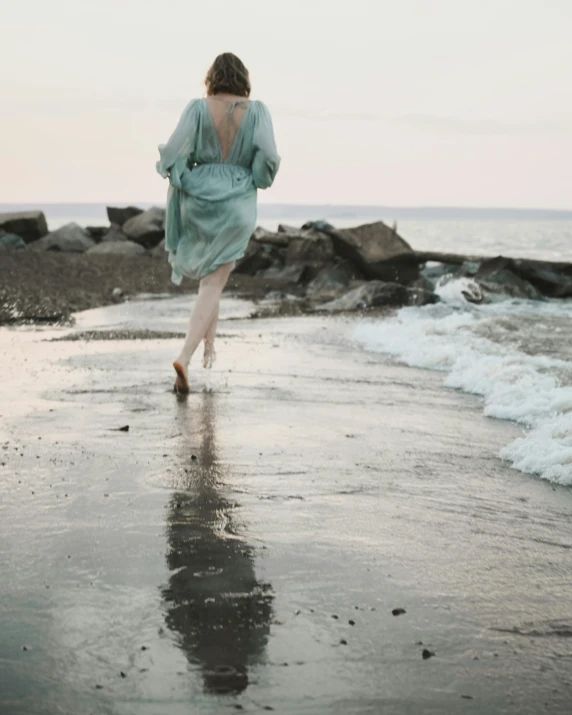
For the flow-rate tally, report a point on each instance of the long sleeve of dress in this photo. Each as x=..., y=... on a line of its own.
x=266, y=161
x=179, y=149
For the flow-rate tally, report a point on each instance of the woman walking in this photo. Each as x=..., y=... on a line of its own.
x=221, y=152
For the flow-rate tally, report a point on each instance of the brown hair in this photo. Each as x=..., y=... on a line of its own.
x=228, y=74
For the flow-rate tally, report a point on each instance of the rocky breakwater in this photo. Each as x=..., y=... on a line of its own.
x=313, y=268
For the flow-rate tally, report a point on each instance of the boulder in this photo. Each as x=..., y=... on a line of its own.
x=503, y=282
x=159, y=251
x=29, y=225
x=331, y=281
x=290, y=274
x=263, y=236
x=551, y=281
x=10, y=240
x=377, y=250
x=97, y=232
x=258, y=257
x=114, y=234
x=289, y=230
x=310, y=247
x=377, y=294
x=147, y=228
x=120, y=216
x=318, y=226
x=120, y=248
x=69, y=238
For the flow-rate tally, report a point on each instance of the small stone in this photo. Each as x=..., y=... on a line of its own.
x=467, y=697
x=117, y=293
x=25, y=647
x=352, y=623
x=99, y=687
x=343, y=641
x=427, y=654
x=144, y=647
x=398, y=611
x=335, y=617
x=123, y=675
x=193, y=457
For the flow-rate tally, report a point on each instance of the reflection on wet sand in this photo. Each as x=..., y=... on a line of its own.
x=214, y=602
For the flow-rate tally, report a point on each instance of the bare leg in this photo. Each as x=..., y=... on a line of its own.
x=209, y=354
x=205, y=311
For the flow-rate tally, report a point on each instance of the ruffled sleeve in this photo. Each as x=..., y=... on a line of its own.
x=266, y=161
x=179, y=149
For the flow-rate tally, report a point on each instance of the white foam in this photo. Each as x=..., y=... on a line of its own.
x=528, y=389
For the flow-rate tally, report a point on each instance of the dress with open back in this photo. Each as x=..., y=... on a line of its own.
x=215, y=163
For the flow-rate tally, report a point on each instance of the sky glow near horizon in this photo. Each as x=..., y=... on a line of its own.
x=421, y=102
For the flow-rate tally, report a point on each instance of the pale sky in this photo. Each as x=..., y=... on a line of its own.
x=393, y=102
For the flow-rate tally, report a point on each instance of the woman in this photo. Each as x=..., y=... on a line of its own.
x=221, y=152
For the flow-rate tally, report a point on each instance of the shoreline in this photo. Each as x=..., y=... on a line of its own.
x=304, y=491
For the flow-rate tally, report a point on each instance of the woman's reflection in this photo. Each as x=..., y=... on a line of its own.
x=214, y=600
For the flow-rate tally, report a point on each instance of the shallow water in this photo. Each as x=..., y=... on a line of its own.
x=246, y=546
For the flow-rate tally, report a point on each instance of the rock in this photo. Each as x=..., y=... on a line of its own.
x=263, y=236
x=425, y=653
x=332, y=281
x=310, y=247
x=159, y=251
x=97, y=232
x=398, y=611
x=378, y=251
x=147, y=228
x=291, y=230
x=436, y=272
x=69, y=238
x=290, y=274
x=258, y=257
x=317, y=226
x=551, y=281
x=120, y=248
x=506, y=283
x=119, y=216
x=116, y=293
x=29, y=225
x=10, y=240
x=114, y=234
x=376, y=294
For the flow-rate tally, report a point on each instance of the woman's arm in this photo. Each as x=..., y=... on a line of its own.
x=181, y=144
x=266, y=160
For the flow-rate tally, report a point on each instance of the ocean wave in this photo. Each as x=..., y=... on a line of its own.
x=534, y=390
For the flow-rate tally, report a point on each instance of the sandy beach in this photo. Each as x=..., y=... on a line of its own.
x=245, y=548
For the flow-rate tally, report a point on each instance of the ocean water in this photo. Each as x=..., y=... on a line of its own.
x=516, y=354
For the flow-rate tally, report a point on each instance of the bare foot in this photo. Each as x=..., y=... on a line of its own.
x=182, y=382
x=209, y=355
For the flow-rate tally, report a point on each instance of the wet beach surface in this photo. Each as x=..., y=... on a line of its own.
x=244, y=549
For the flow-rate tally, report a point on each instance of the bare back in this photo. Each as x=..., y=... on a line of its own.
x=227, y=114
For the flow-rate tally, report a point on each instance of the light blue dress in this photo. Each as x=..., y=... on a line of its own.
x=211, y=203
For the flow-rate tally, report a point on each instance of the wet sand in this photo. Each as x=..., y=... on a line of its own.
x=244, y=548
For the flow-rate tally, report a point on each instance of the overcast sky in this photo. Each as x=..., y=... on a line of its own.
x=401, y=102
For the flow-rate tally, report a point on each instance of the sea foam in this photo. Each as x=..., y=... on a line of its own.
x=534, y=390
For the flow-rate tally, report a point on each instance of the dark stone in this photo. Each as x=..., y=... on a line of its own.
x=70, y=238
x=497, y=275
x=97, y=232
x=312, y=246
x=121, y=215
x=275, y=239
x=551, y=280
x=398, y=611
x=113, y=234
x=378, y=251
x=425, y=653
x=376, y=294
x=147, y=228
x=258, y=257
x=29, y=225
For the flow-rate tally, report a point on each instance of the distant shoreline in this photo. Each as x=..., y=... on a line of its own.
x=325, y=211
